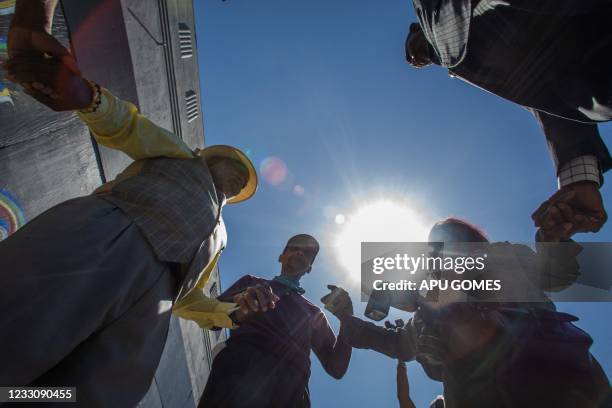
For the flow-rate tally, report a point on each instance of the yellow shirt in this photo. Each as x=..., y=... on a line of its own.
x=118, y=125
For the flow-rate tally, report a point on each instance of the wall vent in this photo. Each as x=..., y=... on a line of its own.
x=191, y=104
x=185, y=41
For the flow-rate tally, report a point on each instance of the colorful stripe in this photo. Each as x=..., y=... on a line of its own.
x=11, y=214
x=3, y=46
x=7, y=7
x=5, y=96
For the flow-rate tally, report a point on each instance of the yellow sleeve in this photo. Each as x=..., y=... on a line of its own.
x=118, y=125
x=205, y=311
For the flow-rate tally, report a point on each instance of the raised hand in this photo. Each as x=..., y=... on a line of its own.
x=338, y=302
x=50, y=81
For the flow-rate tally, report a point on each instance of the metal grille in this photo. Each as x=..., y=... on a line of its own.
x=191, y=103
x=185, y=41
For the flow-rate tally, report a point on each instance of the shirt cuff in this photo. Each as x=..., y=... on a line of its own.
x=582, y=168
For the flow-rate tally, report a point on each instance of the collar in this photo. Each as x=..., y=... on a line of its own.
x=291, y=283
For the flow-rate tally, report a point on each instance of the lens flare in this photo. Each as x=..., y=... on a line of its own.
x=298, y=190
x=273, y=170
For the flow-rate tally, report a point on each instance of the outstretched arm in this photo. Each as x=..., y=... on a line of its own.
x=403, y=388
x=48, y=72
x=399, y=344
x=333, y=352
x=114, y=123
x=580, y=156
x=117, y=124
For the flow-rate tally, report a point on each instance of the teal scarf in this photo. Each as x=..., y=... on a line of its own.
x=291, y=282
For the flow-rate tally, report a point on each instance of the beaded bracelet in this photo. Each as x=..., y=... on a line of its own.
x=96, y=100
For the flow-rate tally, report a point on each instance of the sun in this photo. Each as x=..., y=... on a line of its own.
x=379, y=221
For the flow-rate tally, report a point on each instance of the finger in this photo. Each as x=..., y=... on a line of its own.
x=557, y=233
x=536, y=216
x=586, y=223
x=46, y=43
x=559, y=196
x=551, y=218
x=44, y=76
x=244, y=307
x=599, y=221
x=39, y=86
x=272, y=296
x=70, y=62
x=33, y=60
x=566, y=211
x=251, y=301
x=44, y=99
x=27, y=88
x=544, y=206
x=267, y=290
x=262, y=299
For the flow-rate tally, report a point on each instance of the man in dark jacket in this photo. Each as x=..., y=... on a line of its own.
x=266, y=361
x=554, y=58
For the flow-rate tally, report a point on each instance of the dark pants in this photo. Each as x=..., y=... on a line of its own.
x=244, y=376
x=83, y=303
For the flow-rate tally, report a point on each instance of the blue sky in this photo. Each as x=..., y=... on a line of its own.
x=323, y=87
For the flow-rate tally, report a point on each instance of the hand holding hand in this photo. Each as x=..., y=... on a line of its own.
x=577, y=207
x=338, y=302
x=255, y=299
x=25, y=42
x=50, y=81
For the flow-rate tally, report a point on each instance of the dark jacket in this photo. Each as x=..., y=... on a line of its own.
x=553, y=57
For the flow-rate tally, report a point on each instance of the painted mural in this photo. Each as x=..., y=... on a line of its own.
x=11, y=214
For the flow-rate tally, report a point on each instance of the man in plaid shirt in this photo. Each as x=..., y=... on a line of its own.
x=95, y=277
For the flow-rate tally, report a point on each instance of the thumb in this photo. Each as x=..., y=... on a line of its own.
x=48, y=44
x=332, y=287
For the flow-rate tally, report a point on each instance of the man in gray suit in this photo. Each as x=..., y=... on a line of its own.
x=88, y=286
x=552, y=57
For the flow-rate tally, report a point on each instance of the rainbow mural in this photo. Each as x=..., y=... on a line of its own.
x=11, y=214
x=7, y=7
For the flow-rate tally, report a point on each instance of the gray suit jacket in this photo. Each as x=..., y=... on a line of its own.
x=175, y=205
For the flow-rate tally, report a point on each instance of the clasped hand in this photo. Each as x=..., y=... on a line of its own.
x=46, y=70
x=577, y=207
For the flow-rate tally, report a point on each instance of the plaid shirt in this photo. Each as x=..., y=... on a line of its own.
x=446, y=25
x=174, y=204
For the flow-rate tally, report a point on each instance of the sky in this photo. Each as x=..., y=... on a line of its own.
x=319, y=95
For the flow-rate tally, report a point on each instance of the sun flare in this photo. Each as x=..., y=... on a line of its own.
x=380, y=221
